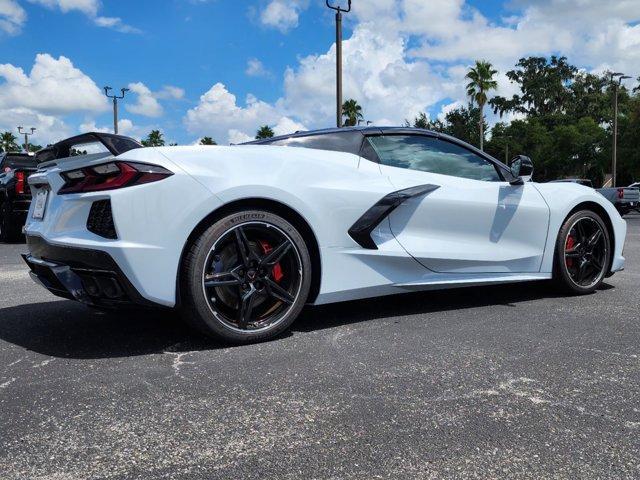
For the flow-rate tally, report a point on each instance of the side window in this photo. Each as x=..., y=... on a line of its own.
x=429, y=154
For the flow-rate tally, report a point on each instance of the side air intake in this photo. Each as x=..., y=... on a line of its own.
x=361, y=230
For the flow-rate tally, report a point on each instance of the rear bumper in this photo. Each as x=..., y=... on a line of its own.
x=88, y=276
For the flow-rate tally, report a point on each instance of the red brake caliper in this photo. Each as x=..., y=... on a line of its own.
x=277, y=269
x=571, y=242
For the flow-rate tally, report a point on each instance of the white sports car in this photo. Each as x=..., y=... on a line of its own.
x=240, y=238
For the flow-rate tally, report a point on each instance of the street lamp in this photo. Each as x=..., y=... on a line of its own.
x=21, y=131
x=339, y=10
x=115, y=105
x=616, y=80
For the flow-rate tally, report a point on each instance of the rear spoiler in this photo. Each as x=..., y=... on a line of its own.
x=116, y=144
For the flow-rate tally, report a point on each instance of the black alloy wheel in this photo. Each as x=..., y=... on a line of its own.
x=254, y=277
x=583, y=252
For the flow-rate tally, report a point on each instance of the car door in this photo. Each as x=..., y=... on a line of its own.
x=474, y=221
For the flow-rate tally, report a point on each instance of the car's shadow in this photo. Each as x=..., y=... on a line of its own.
x=69, y=330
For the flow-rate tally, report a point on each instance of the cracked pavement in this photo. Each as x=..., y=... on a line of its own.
x=497, y=382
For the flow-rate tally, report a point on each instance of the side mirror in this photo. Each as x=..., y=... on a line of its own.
x=521, y=169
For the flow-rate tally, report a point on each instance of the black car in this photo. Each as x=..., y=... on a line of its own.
x=15, y=195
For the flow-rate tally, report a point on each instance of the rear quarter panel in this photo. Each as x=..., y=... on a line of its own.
x=326, y=188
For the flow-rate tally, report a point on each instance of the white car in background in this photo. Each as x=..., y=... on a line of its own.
x=240, y=238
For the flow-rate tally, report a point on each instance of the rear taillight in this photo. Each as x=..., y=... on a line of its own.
x=110, y=176
x=621, y=193
x=19, y=183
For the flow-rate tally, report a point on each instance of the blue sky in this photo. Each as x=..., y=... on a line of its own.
x=275, y=58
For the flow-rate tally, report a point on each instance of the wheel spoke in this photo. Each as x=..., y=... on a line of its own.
x=595, y=238
x=246, y=308
x=582, y=271
x=596, y=263
x=276, y=254
x=221, y=280
x=278, y=292
x=581, y=232
x=572, y=254
x=242, y=245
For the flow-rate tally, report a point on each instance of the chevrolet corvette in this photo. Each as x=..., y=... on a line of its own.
x=240, y=238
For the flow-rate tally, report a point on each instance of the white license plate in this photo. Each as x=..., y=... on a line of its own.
x=40, y=203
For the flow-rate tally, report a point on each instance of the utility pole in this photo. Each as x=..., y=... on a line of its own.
x=616, y=80
x=115, y=105
x=339, y=11
x=26, y=134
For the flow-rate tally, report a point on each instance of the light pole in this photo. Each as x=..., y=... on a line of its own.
x=115, y=105
x=339, y=10
x=26, y=134
x=616, y=80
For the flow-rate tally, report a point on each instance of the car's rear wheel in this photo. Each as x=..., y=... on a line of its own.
x=583, y=253
x=246, y=277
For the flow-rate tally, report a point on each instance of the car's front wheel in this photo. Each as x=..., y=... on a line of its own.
x=246, y=277
x=583, y=253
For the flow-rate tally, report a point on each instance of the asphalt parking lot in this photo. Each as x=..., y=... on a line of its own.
x=499, y=382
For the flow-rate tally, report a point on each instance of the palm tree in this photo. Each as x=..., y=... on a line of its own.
x=154, y=139
x=264, y=131
x=207, y=141
x=8, y=142
x=481, y=81
x=352, y=111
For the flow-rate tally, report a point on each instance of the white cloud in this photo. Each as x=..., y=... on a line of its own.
x=49, y=129
x=115, y=23
x=255, y=68
x=125, y=127
x=236, y=136
x=218, y=115
x=285, y=125
x=12, y=17
x=90, y=8
x=282, y=15
x=146, y=103
x=52, y=86
x=170, y=92
x=376, y=73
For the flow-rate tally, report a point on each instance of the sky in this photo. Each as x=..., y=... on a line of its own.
x=222, y=68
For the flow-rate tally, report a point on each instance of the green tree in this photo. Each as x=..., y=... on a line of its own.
x=154, y=139
x=352, y=111
x=265, y=131
x=481, y=80
x=421, y=121
x=8, y=142
x=544, y=86
x=207, y=141
x=461, y=122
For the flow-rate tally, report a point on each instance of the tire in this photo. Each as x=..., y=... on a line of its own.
x=579, y=266
x=249, y=262
x=8, y=231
